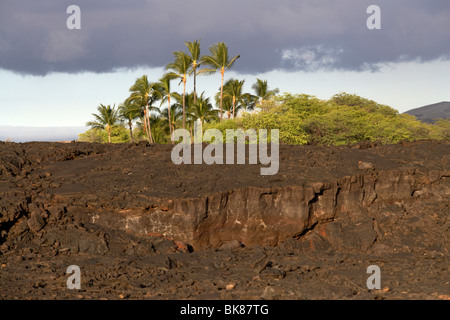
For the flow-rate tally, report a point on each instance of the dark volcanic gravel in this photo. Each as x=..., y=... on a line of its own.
x=43, y=186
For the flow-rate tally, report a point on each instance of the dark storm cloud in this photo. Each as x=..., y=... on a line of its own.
x=268, y=34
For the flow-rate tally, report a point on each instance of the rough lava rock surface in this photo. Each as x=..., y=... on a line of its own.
x=141, y=227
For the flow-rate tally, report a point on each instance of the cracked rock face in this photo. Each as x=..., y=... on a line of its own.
x=61, y=200
x=343, y=213
x=82, y=183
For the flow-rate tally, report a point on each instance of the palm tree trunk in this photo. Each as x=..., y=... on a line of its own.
x=203, y=125
x=170, y=119
x=144, y=124
x=147, y=123
x=109, y=133
x=195, y=84
x=222, y=71
x=149, y=128
x=130, y=125
x=184, y=102
x=234, y=104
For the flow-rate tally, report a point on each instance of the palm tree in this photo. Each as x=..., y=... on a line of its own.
x=233, y=90
x=262, y=91
x=105, y=119
x=160, y=128
x=218, y=60
x=248, y=101
x=180, y=69
x=194, y=50
x=203, y=109
x=188, y=102
x=129, y=112
x=227, y=104
x=166, y=92
x=144, y=94
x=176, y=115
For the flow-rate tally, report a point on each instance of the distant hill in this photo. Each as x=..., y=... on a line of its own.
x=26, y=134
x=431, y=112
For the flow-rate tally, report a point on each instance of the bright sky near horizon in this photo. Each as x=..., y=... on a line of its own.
x=53, y=76
x=62, y=99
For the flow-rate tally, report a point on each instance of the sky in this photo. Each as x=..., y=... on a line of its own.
x=51, y=75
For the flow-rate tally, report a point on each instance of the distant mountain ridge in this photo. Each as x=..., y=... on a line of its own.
x=26, y=134
x=429, y=113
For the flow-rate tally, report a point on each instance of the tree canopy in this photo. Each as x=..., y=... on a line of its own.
x=301, y=119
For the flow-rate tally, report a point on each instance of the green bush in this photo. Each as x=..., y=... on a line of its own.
x=304, y=119
x=281, y=117
x=344, y=119
x=119, y=134
x=441, y=129
x=92, y=135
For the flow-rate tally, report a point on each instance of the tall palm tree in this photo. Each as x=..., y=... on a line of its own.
x=203, y=109
x=188, y=102
x=166, y=92
x=180, y=69
x=233, y=90
x=144, y=93
x=227, y=104
x=105, y=119
x=218, y=60
x=194, y=50
x=262, y=91
x=129, y=112
x=176, y=115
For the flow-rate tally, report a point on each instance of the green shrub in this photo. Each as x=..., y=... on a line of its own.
x=344, y=119
x=119, y=134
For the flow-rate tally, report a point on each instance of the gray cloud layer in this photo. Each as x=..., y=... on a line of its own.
x=268, y=34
